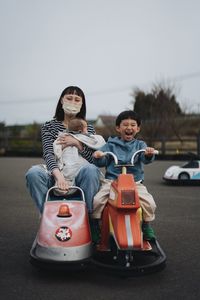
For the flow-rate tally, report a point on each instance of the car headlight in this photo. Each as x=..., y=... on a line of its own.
x=168, y=173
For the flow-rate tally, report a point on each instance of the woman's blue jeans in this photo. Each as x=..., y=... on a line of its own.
x=39, y=181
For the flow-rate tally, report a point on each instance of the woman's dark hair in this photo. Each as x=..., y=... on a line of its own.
x=127, y=114
x=59, y=114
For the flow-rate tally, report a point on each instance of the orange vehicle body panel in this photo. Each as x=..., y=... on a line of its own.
x=125, y=182
x=122, y=221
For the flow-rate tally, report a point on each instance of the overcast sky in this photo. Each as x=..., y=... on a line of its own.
x=106, y=47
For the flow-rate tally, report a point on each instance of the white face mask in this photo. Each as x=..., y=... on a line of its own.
x=71, y=108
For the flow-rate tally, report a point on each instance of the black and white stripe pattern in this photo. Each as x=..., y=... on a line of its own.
x=49, y=132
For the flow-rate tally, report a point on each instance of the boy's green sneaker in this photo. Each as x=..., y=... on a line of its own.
x=95, y=233
x=148, y=232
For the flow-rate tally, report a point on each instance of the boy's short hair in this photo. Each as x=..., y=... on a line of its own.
x=127, y=114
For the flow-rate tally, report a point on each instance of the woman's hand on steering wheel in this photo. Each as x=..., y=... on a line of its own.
x=60, y=180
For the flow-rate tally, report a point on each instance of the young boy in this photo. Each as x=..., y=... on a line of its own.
x=127, y=126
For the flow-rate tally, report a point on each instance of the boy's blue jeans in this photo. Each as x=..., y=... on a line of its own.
x=39, y=181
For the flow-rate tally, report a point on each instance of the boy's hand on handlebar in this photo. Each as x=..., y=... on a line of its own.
x=149, y=151
x=98, y=154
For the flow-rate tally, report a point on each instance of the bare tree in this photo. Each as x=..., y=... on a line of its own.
x=159, y=111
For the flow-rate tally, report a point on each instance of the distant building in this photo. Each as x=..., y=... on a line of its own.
x=105, y=121
x=105, y=125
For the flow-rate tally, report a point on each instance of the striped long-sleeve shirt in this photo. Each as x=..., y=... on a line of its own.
x=49, y=132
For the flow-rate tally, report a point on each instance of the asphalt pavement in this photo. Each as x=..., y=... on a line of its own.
x=176, y=225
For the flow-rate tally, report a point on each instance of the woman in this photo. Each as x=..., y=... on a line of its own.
x=70, y=105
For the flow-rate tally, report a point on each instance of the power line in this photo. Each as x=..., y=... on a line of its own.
x=110, y=91
x=102, y=92
x=27, y=101
x=121, y=89
x=186, y=76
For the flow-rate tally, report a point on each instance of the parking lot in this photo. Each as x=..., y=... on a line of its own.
x=176, y=225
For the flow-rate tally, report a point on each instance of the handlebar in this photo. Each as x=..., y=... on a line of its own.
x=140, y=151
x=113, y=155
x=132, y=158
x=71, y=187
